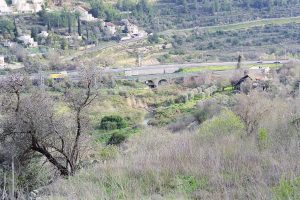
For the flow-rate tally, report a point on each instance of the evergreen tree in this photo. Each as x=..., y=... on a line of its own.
x=69, y=25
x=79, y=25
x=15, y=29
x=87, y=32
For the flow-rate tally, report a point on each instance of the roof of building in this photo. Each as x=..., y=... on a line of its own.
x=109, y=24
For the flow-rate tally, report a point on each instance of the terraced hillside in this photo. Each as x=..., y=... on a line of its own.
x=190, y=13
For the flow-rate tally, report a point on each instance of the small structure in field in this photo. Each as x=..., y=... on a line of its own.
x=252, y=81
x=27, y=41
x=43, y=34
x=2, y=61
x=24, y=6
x=85, y=15
x=110, y=28
x=131, y=30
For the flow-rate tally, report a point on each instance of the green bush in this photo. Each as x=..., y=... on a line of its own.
x=113, y=122
x=108, y=152
x=287, y=189
x=225, y=123
x=116, y=139
x=263, y=138
x=153, y=39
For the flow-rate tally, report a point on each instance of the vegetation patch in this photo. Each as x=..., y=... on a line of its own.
x=225, y=123
x=287, y=189
x=113, y=122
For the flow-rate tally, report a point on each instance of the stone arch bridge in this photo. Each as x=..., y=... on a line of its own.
x=157, y=80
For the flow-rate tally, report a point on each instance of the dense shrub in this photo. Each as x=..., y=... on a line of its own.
x=108, y=152
x=6, y=27
x=153, y=39
x=287, y=189
x=225, y=123
x=116, y=139
x=113, y=122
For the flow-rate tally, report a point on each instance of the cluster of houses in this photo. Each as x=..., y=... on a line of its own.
x=85, y=15
x=128, y=29
x=131, y=30
x=21, y=6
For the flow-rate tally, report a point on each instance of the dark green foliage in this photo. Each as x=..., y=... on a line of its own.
x=287, y=189
x=126, y=5
x=64, y=44
x=8, y=2
x=116, y=139
x=6, y=27
x=58, y=19
x=153, y=39
x=79, y=26
x=101, y=10
x=16, y=28
x=113, y=122
x=87, y=32
x=190, y=13
x=34, y=33
x=69, y=24
x=142, y=11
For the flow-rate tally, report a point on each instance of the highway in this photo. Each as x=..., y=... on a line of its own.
x=155, y=69
x=171, y=68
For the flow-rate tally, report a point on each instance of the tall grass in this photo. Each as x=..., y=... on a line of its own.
x=220, y=161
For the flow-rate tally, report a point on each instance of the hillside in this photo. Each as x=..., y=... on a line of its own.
x=149, y=99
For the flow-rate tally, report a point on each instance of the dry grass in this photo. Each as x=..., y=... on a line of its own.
x=219, y=162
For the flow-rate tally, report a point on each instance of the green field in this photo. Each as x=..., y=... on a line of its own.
x=243, y=25
x=224, y=67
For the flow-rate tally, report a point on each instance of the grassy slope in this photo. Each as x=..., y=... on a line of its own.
x=242, y=25
x=120, y=56
x=162, y=165
x=225, y=67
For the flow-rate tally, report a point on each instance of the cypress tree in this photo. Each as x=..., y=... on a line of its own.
x=16, y=29
x=69, y=24
x=79, y=26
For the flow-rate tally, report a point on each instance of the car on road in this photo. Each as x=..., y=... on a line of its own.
x=259, y=62
x=277, y=62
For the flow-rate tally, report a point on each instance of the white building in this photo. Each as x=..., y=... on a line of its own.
x=28, y=41
x=132, y=29
x=127, y=37
x=23, y=6
x=2, y=62
x=43, y=34
x=110, y=28
x=37, y=5
x=84, y=15
x=3, y=7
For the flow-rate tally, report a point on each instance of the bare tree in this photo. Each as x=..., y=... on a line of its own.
x=33, y=126
x=19, y=51
x=252, y=108
x=14, y=84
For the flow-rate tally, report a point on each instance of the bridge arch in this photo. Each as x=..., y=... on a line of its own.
x=162, y=82
x=151, y=83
